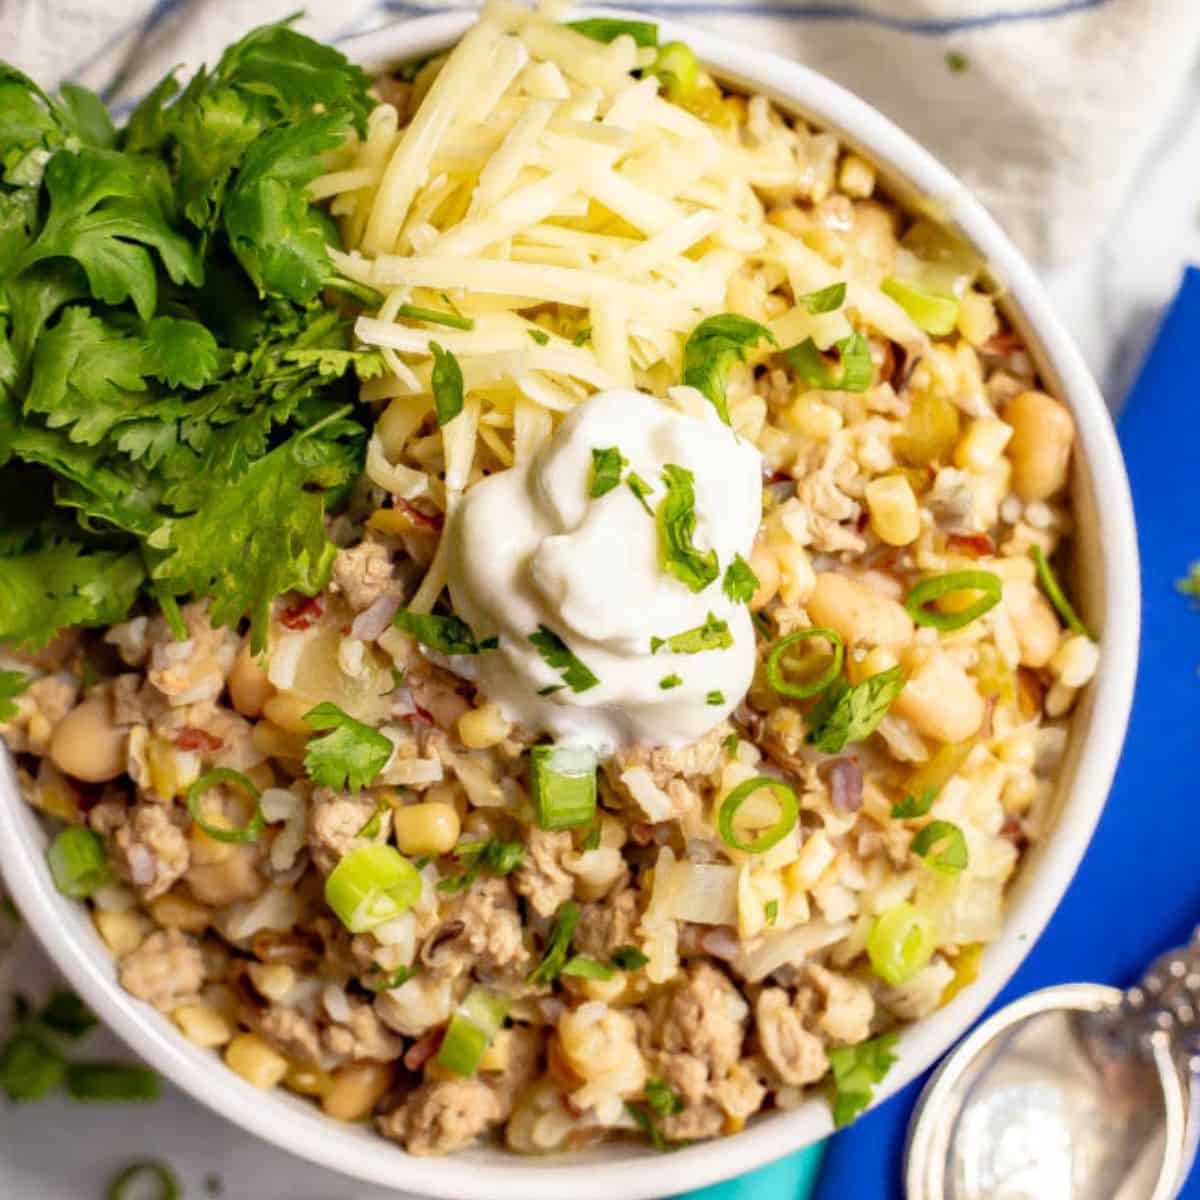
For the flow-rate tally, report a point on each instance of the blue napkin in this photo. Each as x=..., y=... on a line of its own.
x=1140, y=875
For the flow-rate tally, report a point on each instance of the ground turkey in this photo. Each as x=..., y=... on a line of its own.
x=150, y=850
x=442, y=1116
x=362, y=574
x=166, y=969
x=541, y=878
x=608, y=925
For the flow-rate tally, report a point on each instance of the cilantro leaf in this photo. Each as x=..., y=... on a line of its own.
x=714, y=698
x=12, y=684
x=446, y=635
x=669, y=682
x=44, y=590
x=276, y=233
x=349, y=756
x=676, y=519
x=181, y=353
x=713, y=347
x=856, y=1071
x=740, y=582
x=712, y=635
x=493, y=856
x=607, y=465
x=608, y=29
x=852, y=712
x=107, y=211
x=852, y=372
x=555, y=956
x=447, y=384
x=256, y=538
x=557, y=654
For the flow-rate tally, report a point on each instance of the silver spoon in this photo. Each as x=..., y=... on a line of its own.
x=1078, y=1092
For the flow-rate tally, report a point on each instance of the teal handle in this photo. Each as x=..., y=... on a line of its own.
x=791, y=1178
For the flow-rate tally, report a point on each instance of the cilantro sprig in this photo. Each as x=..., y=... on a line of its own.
x=12, y=685
x=176, y=412
x=557, y=654
x=852, y=712
x=713, y=347
x=676, y=520
x=350, y=754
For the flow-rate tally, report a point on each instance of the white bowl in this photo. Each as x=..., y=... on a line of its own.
x=1107, y=584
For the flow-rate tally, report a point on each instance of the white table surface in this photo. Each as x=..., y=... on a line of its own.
x=1112, y=300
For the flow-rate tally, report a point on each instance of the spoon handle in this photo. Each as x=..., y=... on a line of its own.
x=1167, y=999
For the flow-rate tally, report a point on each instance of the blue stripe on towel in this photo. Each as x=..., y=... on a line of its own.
x=925, y=26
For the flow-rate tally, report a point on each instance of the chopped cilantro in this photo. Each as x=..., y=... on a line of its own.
x=12, y=684
x=557, y=654
x=956, y=61
x=668, y=682
x=447, y=384
x=628, y=958
x=607, y=465
x=555, y=956
x=852, y=712
x=540, y=336
x=582, y=967
x=826, y=300
x=445, y=634
x=676, y=519
x=492, y=856
x=641, y=489
x=712, y=635
x=853, y=372
x=714, y=698
x=771, y=911
x=740, y=582
x=915, y=806
x=942, y=845
x=713, y=347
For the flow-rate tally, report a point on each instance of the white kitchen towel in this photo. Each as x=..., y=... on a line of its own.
x=1047, y=109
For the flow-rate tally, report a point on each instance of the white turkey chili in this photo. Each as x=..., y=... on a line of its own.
x=622, y=707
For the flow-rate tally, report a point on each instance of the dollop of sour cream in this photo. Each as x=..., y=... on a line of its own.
x=532, y=550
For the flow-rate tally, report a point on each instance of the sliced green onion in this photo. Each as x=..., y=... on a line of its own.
x=929, y=590
x=582, y=967
x=226, y=776
x=803, y=689
x=942, y=845
x=789, y=812
x=65, y=1014
x=371, y=885
x=853, y=374
x=111, y=1083
x=30, y=1068
x=933, y=312
x=563, y=782
x=431, y=316
x=471, y=1031
x=915, y=806
x=678, y=69
x=901, y=943
x=78, y=862
x=1055, y=594
x=129, y=1183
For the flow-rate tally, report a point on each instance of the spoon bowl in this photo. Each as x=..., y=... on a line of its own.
x=1039, y=1103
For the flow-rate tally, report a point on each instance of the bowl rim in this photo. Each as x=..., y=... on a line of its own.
x=632, y=1173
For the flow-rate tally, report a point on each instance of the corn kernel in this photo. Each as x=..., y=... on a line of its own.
x=175, y=910
x=796, y=575
x=274, y=742
x=982, y=445
x=815, y=857
x=428, y=828
x=484, y=727
x=814, y=419
x=287, y=711
x=307, y=1081
x=203, y=1026
x=977, y=319
x=856, y=177
x=1076, y=660
x=251, y=1058
x=122, y=932
x=893, y=508
x=272, y=981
